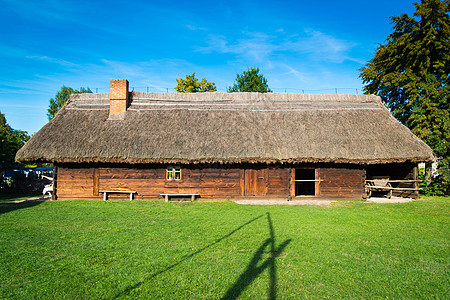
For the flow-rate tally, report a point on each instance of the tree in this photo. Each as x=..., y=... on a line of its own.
x=11, y=141
x=410, y=72
x=191, y=85
x=61, y=97
x=250, y=81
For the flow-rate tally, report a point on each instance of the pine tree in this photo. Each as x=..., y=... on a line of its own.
x=250, y=81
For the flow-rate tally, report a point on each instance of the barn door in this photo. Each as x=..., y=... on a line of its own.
x=255, y=182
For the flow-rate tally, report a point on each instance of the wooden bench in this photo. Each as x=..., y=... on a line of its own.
x=105, y=194
x=167, y=196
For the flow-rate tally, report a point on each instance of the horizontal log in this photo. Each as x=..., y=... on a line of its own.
x=75, y=172
x=75, y=181
x=73, y=186
x=400, y=181
x=143, y=184
x=393, y=188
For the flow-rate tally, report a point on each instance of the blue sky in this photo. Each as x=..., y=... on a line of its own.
x=315, y=46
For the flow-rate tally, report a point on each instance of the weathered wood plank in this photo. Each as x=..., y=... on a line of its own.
x=292, y=182
x=95, y=182
x=341, y=182
x=242, y=182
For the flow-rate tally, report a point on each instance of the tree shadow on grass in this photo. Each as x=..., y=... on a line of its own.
x=184, y=258
x=253, y=270
x=12, y=206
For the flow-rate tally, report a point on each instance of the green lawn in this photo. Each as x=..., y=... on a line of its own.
x=13, y=197
x=211, y=250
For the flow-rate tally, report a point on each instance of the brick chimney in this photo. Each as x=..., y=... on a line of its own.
x=119, y=99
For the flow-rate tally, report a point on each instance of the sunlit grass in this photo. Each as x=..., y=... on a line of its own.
x=138, y=249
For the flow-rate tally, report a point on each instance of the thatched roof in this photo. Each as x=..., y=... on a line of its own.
x=226, y=128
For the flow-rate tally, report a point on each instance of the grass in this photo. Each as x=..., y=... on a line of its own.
x=210, y=250
x=8, y=197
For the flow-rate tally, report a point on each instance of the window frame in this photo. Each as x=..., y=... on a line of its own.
x=173, y=171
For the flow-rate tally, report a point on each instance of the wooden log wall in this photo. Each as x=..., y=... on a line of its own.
x=218, y=182
x=341, y=183
x=279, y=182
x=149, y=183
x=75, y=183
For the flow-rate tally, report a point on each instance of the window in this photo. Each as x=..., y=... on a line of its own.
x=173, y=173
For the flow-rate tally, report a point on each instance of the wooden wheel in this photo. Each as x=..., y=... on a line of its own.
x=368, y=192
x=390, y=191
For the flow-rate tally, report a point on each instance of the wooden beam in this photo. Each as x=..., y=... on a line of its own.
x=416, y=183
x=317, y=180
x=55, y=183
x=401, y=181
x=96, y=182
x=292, y=183
x=242, y=182
x=309, y=180
x=392, y=188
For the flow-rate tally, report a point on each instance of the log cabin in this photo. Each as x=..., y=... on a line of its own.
x=225, y=146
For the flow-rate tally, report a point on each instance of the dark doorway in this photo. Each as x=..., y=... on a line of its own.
x=305, y=182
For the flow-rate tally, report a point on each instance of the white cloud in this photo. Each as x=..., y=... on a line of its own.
x=51, y=59
x=256, y=46
x=49, y=9
x=301, y=76
x=195, y=28
x=320, y=46
x=20, y=53
x=146, y=73
x=259, y=47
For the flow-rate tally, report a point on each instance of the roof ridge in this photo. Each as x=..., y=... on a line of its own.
x=232, y=97
x=251, y=96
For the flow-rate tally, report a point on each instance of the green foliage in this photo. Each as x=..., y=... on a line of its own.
x=206, y=250
x=191, y=85
x=11, y=141
x=435, y=188
x=250, y=81
x=35, y=165
x=411, y=74
x=61, y=97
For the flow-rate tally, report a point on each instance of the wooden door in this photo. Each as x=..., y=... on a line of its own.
x=255, y=182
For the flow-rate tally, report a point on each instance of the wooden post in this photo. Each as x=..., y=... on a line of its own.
x=96, y=182
x=55, y=177
x=242, y=182
x=416, y=182
x=317, y=185
x=292, y=183
x=365, y=192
